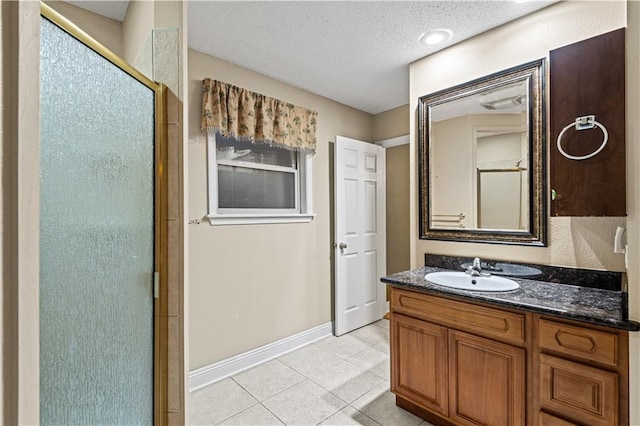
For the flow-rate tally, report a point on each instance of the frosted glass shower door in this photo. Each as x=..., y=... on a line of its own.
x=96, y=237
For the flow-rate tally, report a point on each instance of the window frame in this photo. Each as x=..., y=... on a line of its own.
x=226, y=216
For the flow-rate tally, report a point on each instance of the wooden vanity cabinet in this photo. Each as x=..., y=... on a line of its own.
x=582, y=373
x=459, y=363
x=486, y=381
x=545, y=419
x=419, y=370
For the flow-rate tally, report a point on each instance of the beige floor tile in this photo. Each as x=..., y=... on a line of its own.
x=383, y=323
x=349, y=416
x=373, y=361
x=372, y=334
x=383, y=347
x=268, y=379
x=310, y=360
x=216, y=402
x=380, y=404
x=257, y=415
x=350, y=368
x=344, y=346
x=347, y=381
x=304, y=404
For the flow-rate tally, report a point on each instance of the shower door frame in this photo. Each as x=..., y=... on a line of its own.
x=161, y=361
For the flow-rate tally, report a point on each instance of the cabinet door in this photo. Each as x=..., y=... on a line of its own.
x=587, y=394
x=545, y=419
x=486, y=380
x=585, y=78
x=419, y=362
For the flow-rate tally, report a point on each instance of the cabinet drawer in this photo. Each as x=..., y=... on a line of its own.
x=586, y=343
x=584, y=394
x=495, y=323
x=545, y=419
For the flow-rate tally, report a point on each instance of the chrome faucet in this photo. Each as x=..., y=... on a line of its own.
x=475, y=270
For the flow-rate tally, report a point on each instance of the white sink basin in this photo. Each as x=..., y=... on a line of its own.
x=467, y=282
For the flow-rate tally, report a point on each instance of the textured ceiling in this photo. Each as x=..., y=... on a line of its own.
x=356, y=53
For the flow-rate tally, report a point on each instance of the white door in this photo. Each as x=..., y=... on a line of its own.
x=360, y=211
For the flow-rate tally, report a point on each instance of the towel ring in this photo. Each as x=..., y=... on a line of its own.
x=583, y=123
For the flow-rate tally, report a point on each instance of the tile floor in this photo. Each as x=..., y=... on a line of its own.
x=335, y=381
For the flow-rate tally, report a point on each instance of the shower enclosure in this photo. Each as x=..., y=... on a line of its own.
x=97, y=233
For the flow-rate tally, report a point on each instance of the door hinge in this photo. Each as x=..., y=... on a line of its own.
x=156, y=285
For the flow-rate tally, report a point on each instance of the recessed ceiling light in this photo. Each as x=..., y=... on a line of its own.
x=435, y=37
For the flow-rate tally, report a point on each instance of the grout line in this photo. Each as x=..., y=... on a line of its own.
x=300, y=372
x=241, y=411
x=364, y=414
x=332, y=414
x=274, y=414
x=347, y=357
x=280, y=391
x=233, y=378
x=343, y=358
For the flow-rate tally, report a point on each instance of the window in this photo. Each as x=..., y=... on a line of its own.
x=253, y=182
x=257, y=183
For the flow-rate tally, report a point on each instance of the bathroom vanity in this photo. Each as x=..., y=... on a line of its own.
x=555, y=350
x=545, y=354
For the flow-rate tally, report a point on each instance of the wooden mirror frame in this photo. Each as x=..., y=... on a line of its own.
x=536, y=234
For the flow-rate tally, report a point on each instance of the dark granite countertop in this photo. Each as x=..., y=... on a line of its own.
x=590, y=305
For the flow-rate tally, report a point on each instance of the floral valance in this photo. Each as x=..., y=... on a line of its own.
x=247, y=115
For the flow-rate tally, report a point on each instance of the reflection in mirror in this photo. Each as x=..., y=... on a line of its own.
x=481, y=159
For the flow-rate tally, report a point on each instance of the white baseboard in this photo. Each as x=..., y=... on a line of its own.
x=212, y=373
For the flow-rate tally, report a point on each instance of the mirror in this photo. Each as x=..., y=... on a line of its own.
x=481, y=159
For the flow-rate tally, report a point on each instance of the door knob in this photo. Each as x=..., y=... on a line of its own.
x=342, y=246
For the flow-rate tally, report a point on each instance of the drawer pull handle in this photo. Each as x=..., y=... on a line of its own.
x=576, y=341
